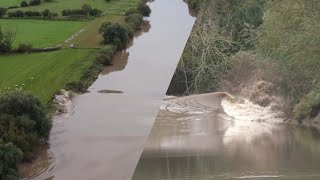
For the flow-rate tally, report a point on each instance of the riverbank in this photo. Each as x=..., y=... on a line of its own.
x=233, y=42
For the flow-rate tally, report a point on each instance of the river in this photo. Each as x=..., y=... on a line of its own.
x=103, y=137
x=203, y=137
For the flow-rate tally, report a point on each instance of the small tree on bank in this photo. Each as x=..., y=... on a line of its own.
x=115, y=34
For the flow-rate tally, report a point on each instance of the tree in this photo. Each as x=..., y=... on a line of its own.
x=10, y=157
x=105, y=54
x=7, y=37
x=144, y=9
x=24, y=4
x=34, y=2
x=95, y=12
x=27, y=107
x=134, y=20
x=45, y=13
x=115, y=34
x=86, y=8
x=3, y=11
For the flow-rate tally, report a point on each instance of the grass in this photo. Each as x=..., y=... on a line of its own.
x=90, y=38
x=7, y=3
x=115, y=7
x=44, y=73
x=41, y=33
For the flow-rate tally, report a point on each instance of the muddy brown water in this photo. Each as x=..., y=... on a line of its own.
x=201, y=138
x=103, y=138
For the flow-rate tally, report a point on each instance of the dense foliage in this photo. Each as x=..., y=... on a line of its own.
x=10, y=157
x=281, y=36
x=115, y=34
x=23, y=124
x=223, y=28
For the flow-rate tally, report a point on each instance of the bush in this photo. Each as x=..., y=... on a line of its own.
x=308, y=107
x=86, y=8
x=115, y=34
x=134, y=20
x=24, y=48
x=105, y=54
x=195, y=4
x=32, y=14
x=10, y=157
x=144, y=9
x=95, y=12
x=24, y=4
x=45, y=13
x=34, y=2
x=17, y=13
x=3, y=11
x=27, y=108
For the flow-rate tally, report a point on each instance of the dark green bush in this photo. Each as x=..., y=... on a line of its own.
x=10, y=157
x=115, y=34
x=105, y=54
x=24, y=48
x=144, y=9
x=24, y=4
x=25, y=106
x=134, y=20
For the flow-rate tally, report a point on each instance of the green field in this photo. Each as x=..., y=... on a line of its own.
x=115, y=7
x=50, y=71
x=7, y=3
x=46, y=73
x=41, y=33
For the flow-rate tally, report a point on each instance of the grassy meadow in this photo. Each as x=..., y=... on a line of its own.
x=41, y=33
x=44, y=73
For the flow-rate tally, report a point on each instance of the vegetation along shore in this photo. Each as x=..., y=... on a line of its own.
x=46, y=46
x=266, y=51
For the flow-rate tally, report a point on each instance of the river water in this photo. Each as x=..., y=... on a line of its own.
x=103, y=138
x=203, y=137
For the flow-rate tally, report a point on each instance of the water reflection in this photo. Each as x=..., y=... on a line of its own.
x=213, y=145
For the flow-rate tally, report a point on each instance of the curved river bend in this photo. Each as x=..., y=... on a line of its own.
x=104, y=136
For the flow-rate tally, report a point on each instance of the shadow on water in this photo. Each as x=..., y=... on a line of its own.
x=192, y=140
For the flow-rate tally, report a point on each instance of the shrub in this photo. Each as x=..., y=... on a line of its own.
x=32, y=14
x=144, y=9
x=135, y=20
x=3, y=11
x=45, y=13
x=308, y=107
x=115, y=34
x=105, y=54
x=17, y=13
x=10, y=157
x=25, y=107
x=24, y=4
x=95, y=12
x=24, y=48
x=7, y=37
x=34, y=2
x=86, y=8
